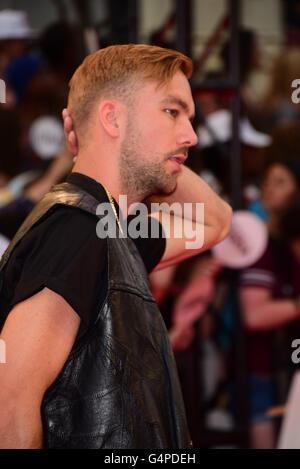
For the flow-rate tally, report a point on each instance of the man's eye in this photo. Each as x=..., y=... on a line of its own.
x=172, y=112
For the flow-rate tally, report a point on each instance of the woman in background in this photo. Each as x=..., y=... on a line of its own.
x=269, y=297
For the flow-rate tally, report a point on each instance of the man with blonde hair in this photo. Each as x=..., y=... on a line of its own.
x=89, y=363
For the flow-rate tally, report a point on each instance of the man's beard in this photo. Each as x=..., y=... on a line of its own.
x=143, y=177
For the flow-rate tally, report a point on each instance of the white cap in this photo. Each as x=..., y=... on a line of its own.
x=14, y=24
x=220, y=124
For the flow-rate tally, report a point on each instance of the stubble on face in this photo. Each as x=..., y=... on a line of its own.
x=143, y=173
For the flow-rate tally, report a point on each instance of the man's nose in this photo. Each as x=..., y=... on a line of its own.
x=188, y=137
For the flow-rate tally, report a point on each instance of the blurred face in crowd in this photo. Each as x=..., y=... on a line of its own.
x=295, y=248
x=278, y=188
x=158, y=136
x=258, y=53
x=13, y=48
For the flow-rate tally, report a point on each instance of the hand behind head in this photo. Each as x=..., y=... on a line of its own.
x=70, y=134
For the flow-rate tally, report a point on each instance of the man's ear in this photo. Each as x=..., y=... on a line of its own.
x=109, y=117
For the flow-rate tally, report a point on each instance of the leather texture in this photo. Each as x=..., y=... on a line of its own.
x=119, y=386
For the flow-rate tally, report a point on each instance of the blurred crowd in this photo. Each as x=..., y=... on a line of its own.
x=202, y=301
x=36, y=70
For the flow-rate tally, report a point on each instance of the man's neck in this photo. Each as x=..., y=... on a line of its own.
x=110, y=180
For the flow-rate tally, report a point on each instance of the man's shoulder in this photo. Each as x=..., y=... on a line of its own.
x=62, y=253
x=62, y=229
x=64, y=217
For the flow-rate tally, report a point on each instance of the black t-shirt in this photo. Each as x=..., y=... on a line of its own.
x=64, y=254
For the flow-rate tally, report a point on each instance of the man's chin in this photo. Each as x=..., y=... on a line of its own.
x=169, y=188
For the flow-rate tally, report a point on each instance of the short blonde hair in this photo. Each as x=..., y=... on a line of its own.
x=109, y=71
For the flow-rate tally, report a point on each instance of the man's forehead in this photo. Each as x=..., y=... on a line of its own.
x=175, y=91
x=178, y=84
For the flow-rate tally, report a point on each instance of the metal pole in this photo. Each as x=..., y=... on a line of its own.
x=183, y=26
x=124, y=20
x=133, y=21
x=234, y=51
x=236, y=197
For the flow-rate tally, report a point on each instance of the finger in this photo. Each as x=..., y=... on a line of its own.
x=72, y=138
x=72, y=143
x=66, y=112
x=68, y=125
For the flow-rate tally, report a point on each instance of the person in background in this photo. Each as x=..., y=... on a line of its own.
x=47, y=92
x=183, y=293
x=252, y=58
x=285, y=142
x=280, y=184
x=10, y=152
x=44, y=94
x=25, y=191
x=268, y=291
x=17, y=63
x=276, y=107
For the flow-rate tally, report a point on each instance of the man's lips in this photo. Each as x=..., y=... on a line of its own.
x=180, y=159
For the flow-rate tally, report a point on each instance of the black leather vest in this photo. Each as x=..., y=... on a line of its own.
x=119, y=386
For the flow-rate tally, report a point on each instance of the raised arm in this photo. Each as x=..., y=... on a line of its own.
x=262, y=312
x=38, y=335
x=215, y=225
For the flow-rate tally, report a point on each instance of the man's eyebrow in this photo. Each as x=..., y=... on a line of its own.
x=179, y=102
